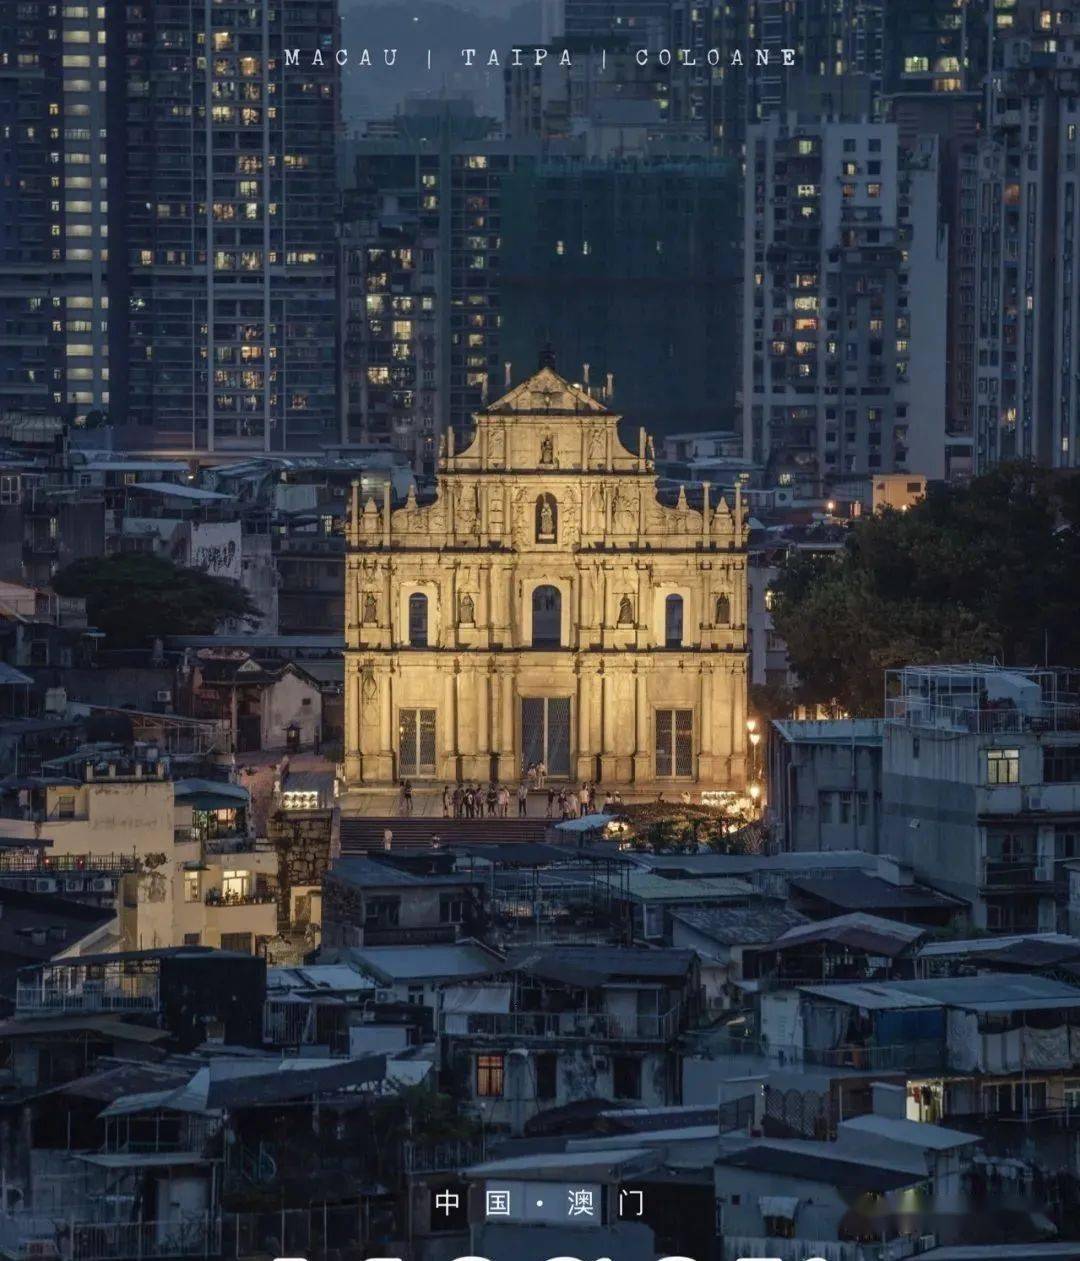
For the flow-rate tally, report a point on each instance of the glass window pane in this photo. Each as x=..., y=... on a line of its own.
x=663, y=743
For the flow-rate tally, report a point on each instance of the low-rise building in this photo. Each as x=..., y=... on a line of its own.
x=981, y=784
x=989, y=1046
x=565, y=1023
x=824, y=783
x=369, y=903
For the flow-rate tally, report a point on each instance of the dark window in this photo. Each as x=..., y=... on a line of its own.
x=673, y=621
x=1061, y=763
x=240, y=942
x=382, y=912
x=418, y=620
x=547, y=617
x=547, y=1075
x=626, y=1077
x=192, y=939
x=451, y=908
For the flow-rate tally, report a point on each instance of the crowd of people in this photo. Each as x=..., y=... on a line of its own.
x=471, y=800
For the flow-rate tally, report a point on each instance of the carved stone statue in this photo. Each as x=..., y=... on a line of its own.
x=496, y=446
x=547, y=518
x=626, y=611
x=723, y=610
x=624, y=514
x=466, y=609
x=547, y=449
x=596, y=447
x=371, y=613
x=468, y=510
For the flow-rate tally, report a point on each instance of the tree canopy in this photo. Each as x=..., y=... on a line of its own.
x=986, y=571
x=135, y=597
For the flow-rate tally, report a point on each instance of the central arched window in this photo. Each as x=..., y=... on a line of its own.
x=546, y=617
x=418, y=620
x=673, y=621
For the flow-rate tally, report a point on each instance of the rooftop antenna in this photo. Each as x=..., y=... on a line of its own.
x=506, y=375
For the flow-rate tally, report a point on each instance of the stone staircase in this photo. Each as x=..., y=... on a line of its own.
x=363, y=834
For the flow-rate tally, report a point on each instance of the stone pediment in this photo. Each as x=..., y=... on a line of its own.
x=545, y=393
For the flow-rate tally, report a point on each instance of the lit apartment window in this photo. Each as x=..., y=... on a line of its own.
x=1002, y=766
x=489, y=1076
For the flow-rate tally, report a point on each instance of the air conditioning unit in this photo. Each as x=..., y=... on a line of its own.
x=102, y=885
x=73, y=886
x=45, y=886
x=164, y=695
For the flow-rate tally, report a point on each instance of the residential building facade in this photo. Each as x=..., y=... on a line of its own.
x=844, y=300
x=980, y=775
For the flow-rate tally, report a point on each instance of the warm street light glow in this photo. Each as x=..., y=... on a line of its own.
x=751, y=724
x=755, y=738
x=755, y=791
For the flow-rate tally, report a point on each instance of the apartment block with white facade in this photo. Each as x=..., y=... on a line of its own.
x=844, y=301
x=981, y=787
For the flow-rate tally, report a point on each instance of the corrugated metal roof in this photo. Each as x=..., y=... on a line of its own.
x=409, y=963
x=371, y=874
x=992, y=991
x=814, y=1164
x=595, y=965
x=740, y=925
x=911, y=1133
x=866, y=932
x=857, y=890
x=651, y=888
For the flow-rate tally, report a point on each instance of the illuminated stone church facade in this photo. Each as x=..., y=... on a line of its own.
x=546, y=608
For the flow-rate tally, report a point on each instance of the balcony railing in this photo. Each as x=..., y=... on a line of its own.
x=544, y=1026
x=240, y=899
x=1022, y=872
x=133, y=993
x=117, y=1241
x=900, y=1056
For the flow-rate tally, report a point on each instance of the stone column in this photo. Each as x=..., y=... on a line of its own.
x=585, y=759
x=643, y=767
x=509, y=759
x=449, y=727
x=354, y=762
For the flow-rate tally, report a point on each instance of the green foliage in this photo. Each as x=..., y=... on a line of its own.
x=134, y=597
x=973, y=573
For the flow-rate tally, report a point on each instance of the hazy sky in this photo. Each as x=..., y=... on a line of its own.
x=414, y=26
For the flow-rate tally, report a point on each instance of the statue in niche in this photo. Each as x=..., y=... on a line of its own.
x=596, y=447
x=547, y=519
x=547, y=449
x=624, y=515
x=371, y=612
x=723, y=610
x=468, y=509
x=496, y=446
x=626, y=612
x=466, y=610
